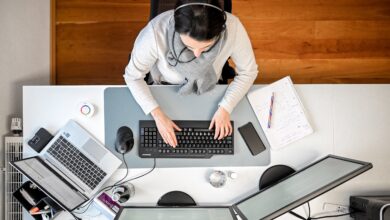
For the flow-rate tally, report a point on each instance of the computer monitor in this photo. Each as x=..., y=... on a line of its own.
x=300, y=187
x=271, y=202
x=187, y=213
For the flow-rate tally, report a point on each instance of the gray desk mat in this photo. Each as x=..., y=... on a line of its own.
x=121, y=109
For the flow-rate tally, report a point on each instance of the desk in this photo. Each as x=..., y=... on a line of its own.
x=349, y=120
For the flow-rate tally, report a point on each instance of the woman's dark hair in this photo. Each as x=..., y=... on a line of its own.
x=200, y=22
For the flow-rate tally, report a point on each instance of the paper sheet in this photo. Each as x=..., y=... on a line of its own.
x=289, y=122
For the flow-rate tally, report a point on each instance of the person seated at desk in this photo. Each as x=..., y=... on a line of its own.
x=189, y=46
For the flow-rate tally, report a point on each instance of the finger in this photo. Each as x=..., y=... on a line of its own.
x=174, y=140
x=170, y=141
x=164, y=137
x=222, y=132
x=216, y=130
x=212, y=124
x=227, y=130
x=177, y=128
x=230, y=129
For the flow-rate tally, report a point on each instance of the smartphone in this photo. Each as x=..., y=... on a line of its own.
x=251, y=138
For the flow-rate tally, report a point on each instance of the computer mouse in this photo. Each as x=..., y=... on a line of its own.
x=124, y=140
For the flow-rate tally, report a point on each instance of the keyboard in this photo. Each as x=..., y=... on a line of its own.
x=194, y=141
x=76, y=162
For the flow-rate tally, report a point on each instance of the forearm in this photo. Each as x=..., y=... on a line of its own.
x=142, y=94
x=237, y=90
x=246, y=69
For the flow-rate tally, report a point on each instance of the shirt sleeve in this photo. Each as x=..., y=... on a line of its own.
x=246, y=69
x=143, y=57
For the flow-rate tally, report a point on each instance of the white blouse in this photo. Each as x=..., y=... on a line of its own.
x=149, y=55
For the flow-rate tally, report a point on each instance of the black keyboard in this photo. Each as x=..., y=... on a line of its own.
x=76, y=162
x=194, y=141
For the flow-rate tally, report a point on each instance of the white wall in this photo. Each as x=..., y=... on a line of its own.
x=24, y=57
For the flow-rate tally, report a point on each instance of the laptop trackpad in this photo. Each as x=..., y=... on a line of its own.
x=94, y=150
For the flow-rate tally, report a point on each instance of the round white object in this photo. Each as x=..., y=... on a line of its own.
x=86, y=109
x=217, y=178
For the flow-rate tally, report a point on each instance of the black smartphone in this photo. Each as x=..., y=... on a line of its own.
x=40, y=140
x=251, y=138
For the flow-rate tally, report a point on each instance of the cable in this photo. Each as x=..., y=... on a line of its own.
x=154, y=166
x=325, y=216
x=127, y=169
x=296, y=215
x=120, y=182
x=75, y=217
x=299, y=216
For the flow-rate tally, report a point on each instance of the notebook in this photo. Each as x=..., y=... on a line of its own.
x=289, y=122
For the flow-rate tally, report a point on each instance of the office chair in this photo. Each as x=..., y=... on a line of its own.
x=159, y=6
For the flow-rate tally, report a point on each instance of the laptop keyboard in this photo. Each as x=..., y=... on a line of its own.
x=76, y=162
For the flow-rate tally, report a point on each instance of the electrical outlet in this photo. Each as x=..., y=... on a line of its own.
x=333, y=207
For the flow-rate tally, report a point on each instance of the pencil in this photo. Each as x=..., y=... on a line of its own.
x=270, y=109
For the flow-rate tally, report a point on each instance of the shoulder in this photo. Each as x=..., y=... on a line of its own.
x=162, y=20
x=231, y=20
x=156, y=28
x=234, y=27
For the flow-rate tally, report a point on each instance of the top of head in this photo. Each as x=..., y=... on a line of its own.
x=198, y=3
x=200, y=22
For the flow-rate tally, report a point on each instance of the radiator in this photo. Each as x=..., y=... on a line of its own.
x=13, y=148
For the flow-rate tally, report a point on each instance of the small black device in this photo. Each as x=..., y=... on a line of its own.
x=251, y=138
x=124, y=140
x=40, y=140
x=370, y=207
x=195, y=140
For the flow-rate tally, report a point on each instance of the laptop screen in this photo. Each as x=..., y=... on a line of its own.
x=40, y=174
x=302, y=186
x=175, y=213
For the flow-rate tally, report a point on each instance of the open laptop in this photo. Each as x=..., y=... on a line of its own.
x=72, y=167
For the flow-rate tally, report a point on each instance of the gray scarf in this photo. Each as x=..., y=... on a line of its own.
x=199, y=72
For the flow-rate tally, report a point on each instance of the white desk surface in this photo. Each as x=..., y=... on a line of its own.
x=349, y=120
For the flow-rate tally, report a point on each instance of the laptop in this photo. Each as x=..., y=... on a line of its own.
x=71, y=168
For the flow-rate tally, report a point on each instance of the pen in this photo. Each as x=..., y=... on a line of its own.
x=270, y=109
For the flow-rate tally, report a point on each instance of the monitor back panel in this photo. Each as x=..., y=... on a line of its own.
x=121, y=109
x=300, y=187
x=190, y=213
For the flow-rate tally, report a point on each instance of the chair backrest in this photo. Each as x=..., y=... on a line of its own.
x=159, y=6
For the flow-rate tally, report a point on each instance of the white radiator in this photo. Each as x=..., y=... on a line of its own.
x=13, y=179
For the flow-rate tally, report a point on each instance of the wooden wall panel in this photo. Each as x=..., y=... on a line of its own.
x=314, y=41
x=325, y=70
x=94, y=39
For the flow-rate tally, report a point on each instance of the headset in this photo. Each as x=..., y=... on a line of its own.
x=200, y=3
x=177, y=56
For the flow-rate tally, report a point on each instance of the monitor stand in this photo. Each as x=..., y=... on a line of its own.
x=273, y=175
x=176, y=198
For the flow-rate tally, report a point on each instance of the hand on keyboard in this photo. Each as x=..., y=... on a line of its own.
x=221, y=122
x=166, y=127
